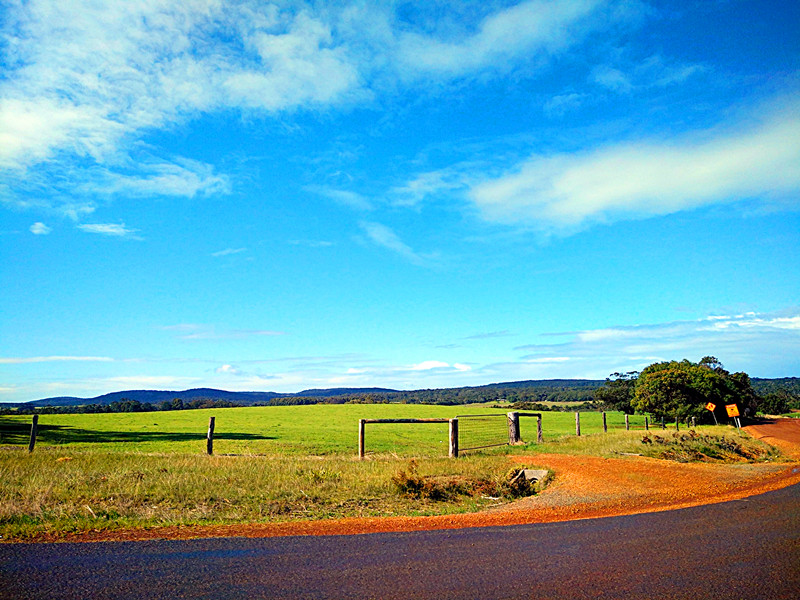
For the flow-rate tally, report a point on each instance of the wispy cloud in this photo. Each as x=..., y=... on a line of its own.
x=195, y=331
x=638, y=179
x=347, y=198
x=430, y=365
x=11, y=360
x=110, y=229
x=40, y=229
x=561, y=104
x=532, y=29
x=312, y=243
x=654, y=71
x=385, y=237
x=86, y=83
x=769, y=342
x=228, y=252
x=432, y=183
x=489, y=335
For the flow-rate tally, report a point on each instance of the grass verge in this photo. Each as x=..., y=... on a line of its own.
x=706, y=444
x=58, y=492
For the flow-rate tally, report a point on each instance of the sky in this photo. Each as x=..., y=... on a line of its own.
x=277, y=197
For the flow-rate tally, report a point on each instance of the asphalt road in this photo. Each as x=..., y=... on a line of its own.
x=742, y=549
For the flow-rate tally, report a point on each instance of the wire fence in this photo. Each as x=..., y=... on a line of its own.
x=482, y=431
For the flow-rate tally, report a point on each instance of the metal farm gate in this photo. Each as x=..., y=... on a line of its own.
x=482, y=431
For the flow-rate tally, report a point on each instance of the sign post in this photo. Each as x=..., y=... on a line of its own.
x=733, y=413
x=711, y=406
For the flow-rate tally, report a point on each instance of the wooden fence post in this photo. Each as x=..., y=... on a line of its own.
x=663, y=424
x=694, y=423
x=210, y=436
x=453, y=438
x=34, y=431
x=605, y=424
x=627, y=423
x=647, y=423
x=677, y=424
x=361, y=438
x=514, y=436
x=578, y=424
x=539, y=434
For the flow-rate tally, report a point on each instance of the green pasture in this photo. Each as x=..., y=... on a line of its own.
x=322, y=429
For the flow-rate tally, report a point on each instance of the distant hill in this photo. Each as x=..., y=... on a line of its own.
x=334, y=392
x=765, y=386
x=534, y=390
x=158, y=396
x=546, y=389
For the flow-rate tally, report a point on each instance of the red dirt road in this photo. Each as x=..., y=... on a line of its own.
x=585, y=487
x=782, y=433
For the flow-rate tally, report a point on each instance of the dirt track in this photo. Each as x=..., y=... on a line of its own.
x=585, y=487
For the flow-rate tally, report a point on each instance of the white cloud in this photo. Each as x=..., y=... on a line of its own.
x=436, y=365
x=385, y=237
x=489, y=335
x=427, y=365
x=651, y=72
x=83, y=82
x=312, y=243
x=344, y=197
x=41, y=359
x=86, y=82
x=183, y=178
x=196, y=332
x=110, y=229
x=531, y=29
x=228, y=252
x=632, y=180
x=40, y=229
x=764, y=344
x=612, y=78
x=432, y=183
x=561, y=104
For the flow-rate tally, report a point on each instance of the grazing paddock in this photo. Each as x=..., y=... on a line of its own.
x=320, y=429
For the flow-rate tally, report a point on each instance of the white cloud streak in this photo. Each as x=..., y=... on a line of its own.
x=385, y=237
x=764, y=344
x=228, y=252
x=633, y=180
x=40, y=229
x=10, y=360
x=109, y=229
x=530, y=29
x=199, y=332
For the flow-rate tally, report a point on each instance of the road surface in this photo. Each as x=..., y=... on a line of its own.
x=742, y=549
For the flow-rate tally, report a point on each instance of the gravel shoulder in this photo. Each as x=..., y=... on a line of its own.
x=585, y=487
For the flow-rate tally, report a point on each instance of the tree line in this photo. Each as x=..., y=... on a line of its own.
x=121, y=406
x=684, y=389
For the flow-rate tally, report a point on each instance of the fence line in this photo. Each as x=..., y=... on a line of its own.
x=453, y=450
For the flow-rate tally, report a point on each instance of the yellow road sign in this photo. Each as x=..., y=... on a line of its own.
x=733, y=410
x=711, y=406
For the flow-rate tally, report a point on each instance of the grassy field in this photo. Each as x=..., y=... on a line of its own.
x=322, y=429
x=108, y=471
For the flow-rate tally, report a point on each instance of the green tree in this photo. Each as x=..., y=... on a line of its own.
x=683, y=389
x=618, y=391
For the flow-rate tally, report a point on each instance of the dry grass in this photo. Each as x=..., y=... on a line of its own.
x=57, y=492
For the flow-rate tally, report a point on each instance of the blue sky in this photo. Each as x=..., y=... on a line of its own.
x=251, y=196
